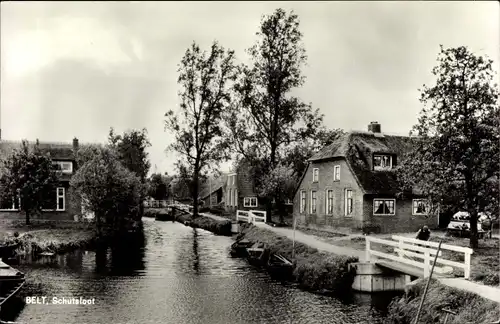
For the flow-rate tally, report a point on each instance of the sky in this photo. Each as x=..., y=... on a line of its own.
x=75, y=69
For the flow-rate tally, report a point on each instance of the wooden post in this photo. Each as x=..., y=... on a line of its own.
x=467, y=266
x=427, y=263
x=367, y=249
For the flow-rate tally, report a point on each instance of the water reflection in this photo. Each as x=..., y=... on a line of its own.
x=174, y=274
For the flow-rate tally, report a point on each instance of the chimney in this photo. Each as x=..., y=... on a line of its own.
x=75, y=144
x=374, y=127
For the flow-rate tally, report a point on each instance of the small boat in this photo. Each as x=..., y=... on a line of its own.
x=258, y=254
x=165, y=215
x=239, y=248
x=47, y=254
x=7, y=251
x=280, y=267
x=11, y=281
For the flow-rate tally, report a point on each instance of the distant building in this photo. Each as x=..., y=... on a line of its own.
x=351, y=185
x=60, y=204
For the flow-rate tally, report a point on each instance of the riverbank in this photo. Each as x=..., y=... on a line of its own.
x=218, y=227
x=55, y=240
x=313, y=270
x=470, y=308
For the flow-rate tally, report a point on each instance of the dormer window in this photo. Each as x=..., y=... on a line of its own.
x=64, y=166
x=382, y=162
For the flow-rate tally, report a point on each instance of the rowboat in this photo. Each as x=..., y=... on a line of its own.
x=258, y=254
x=279, y=266
x=239, y=248
x=11, y=281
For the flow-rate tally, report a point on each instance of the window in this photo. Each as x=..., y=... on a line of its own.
x=313, y=202
x=302, y=201
x=348, y=202
x=11, y=204
x=234, y=179
x=329, y=201
x=384, y=206
x=61, y=201
x=315, y=174
x=64, y=166
x=250, y=202
x=235, y=201
x=420, y=206
x=230, y=197
x=336, y=173
x=382, y=162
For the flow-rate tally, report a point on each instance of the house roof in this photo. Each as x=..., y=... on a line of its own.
x=209, y=188
x=357, y=148
x=63, y=151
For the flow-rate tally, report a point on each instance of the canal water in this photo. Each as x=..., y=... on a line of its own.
x=177, y=275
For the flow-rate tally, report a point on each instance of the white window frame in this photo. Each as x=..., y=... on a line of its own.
x=60, y=163
x=303, y=201
x=248, y=202
x=315, y=174
x=13, y=205
x=385, y=199
x=63, y=196
x=346, y=198
x=385, y=167
x=327, y=205
x=235, y=194
x=425, y=201
x=336, y=173
x=230, y=200
x=315, y=202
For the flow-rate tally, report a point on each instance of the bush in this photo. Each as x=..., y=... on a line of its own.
x=215, y=226
x=470, y=308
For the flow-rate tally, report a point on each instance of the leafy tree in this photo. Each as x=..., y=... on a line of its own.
x=131, y=148
x=108, y=189
x=457, y=149
x=268, y=119
x=279, y=183
x=158, y=186
x=205, y=95
x=28, y=174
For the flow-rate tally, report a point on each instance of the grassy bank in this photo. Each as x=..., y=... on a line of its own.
x=470, y=308
x=218, y=227
x=52, y=240
x=313, y=270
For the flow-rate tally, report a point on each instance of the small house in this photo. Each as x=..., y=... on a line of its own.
x=351, y=185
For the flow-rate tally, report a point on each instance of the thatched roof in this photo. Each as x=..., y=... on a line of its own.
x=358, y=149
x=58, y=151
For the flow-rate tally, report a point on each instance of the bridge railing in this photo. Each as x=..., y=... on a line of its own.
x=405, y=247
x=251, y=216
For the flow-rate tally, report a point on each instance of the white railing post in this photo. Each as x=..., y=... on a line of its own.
x=367, y=249
x=427, y=264
x=467, y=265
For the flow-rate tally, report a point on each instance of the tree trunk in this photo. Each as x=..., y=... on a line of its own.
x=98, y=224
x=27, y=217
x=473, y=228
x=195, y=193
x=269, y=210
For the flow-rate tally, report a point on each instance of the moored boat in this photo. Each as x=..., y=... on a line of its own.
x=258, y=254
x=7, y=251
x=239, y=248
x=11, y=281
x=165, y=215
x=280, y=267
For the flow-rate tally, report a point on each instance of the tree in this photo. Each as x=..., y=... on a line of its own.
x=108, y=189
x=158, y=186
x=457, y=151
x=131, y=148
x=205, y=94
x=279, y=183
x=268, y=119
x=28, y=174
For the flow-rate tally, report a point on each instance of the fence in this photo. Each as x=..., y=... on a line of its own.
x=251, y=216
x=405, y=247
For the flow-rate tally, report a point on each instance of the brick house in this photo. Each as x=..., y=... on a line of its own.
x=63, y=206
x=351, y=185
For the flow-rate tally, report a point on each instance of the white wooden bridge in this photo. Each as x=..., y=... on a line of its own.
x=415, y=257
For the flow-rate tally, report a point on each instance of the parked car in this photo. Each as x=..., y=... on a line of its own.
x=460, y=224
